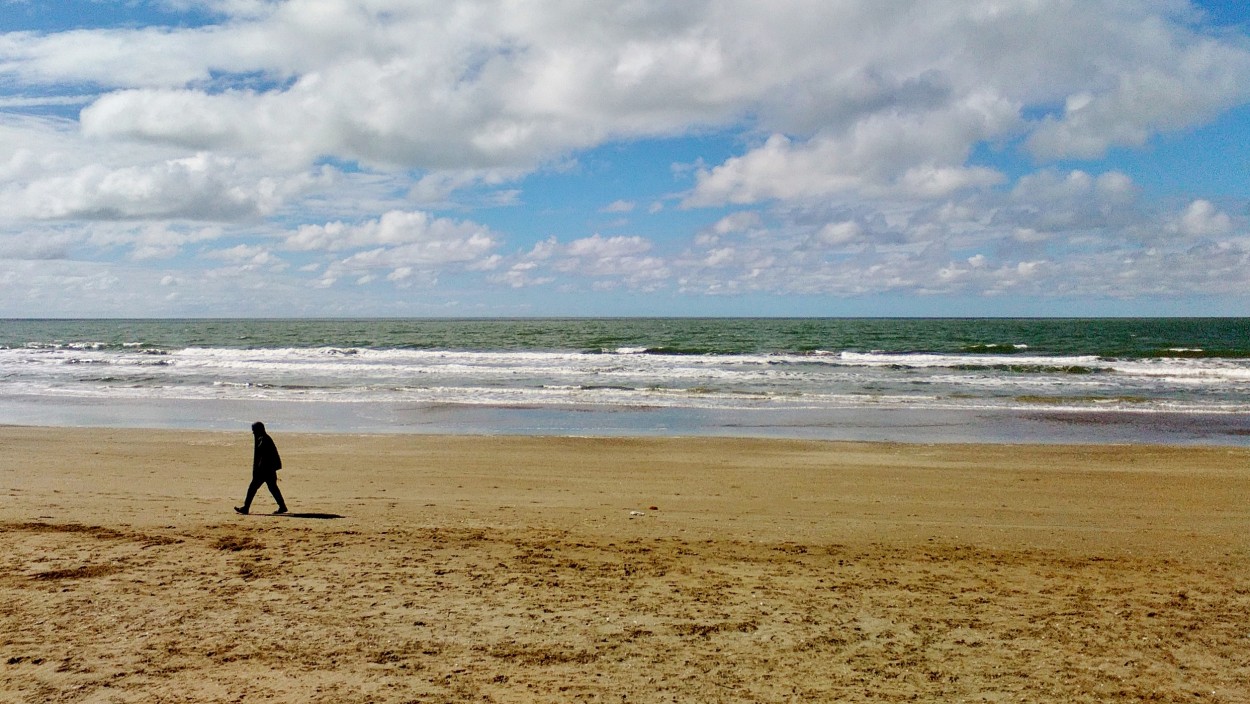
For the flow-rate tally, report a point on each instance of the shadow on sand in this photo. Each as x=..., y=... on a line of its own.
x=322, y=516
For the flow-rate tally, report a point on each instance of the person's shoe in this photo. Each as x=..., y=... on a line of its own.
x=281, y=510
x=240, y=509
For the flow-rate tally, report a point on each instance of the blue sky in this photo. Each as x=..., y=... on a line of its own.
x=398, y=158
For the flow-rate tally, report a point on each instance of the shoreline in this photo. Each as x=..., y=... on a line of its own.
x=526, y=568
x=863, y=424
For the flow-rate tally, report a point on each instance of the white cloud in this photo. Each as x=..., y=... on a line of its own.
x=69, y=288
x=840, y=233
x=109, y=57
x=1051, y=202
x=619, y=206
x=411, y=246
x=1183, y=81
x=741, y=221
x=202, y=187
x=1055, y=234
x=191, y=119
x=144, y=241
x=604, y=262
x=460, y=86
x=931, y=182
x=737, y=222
x=437, y=188
x=906, y=156
x=1202, y=219
x=522, y=275
x=9, y=102
x=613, y=260
x=432, y=253
x=1057, y=188
x=244, y=255
x=39, y=244
x=421, y=236
x=599, y=247
x=503, y=84
x=162, y=241
x=864, y=163
x=33, y=148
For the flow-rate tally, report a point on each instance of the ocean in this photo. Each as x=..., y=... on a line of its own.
x=921, y=380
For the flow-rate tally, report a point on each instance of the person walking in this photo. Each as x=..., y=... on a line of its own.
x=265, y=465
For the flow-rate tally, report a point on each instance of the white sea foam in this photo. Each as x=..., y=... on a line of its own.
x=628, y=377
x=920, y=360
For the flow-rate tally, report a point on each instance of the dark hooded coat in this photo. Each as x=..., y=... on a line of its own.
x=265, y=460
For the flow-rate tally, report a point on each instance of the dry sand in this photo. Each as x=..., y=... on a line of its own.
x=498, y=569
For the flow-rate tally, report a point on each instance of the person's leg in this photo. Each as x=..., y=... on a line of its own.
x=251, y=494
x=277, y=493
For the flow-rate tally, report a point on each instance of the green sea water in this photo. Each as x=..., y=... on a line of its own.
x=1110, y=337
x=1113, y=379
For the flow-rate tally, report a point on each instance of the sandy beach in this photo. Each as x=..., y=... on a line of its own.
x=419, y=568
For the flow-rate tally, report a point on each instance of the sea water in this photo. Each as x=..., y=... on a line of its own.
x=1168, y=380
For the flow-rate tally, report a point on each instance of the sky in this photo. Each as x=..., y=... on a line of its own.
x=327, y=158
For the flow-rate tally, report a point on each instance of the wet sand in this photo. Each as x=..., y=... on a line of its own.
x=454, y=568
